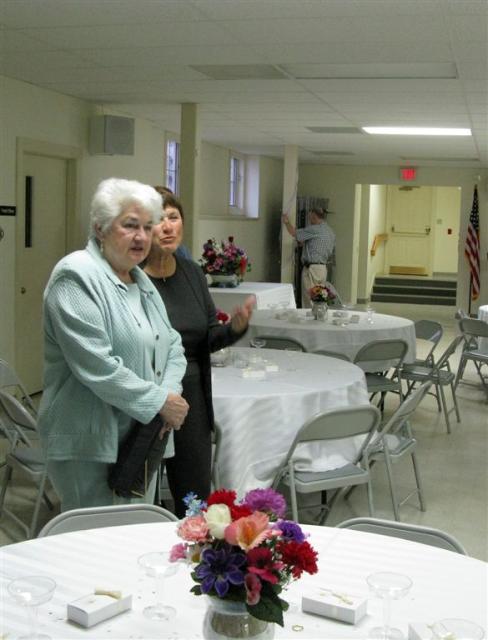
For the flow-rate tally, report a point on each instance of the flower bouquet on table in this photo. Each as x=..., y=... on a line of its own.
x=224, y=260
x=320, y=293
x=244, y=551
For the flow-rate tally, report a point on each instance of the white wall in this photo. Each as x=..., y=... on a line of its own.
x=338, y=184
x=446, y=216
x=377, y=225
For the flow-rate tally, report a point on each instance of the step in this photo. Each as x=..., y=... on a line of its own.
x=417, y=282
x=413, y=299
x=426, y=291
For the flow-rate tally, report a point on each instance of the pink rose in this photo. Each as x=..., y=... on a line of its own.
x=253, y=588
x=193, y=529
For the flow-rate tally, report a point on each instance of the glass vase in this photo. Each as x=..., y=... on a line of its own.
x=319, y=311
x=226, y=619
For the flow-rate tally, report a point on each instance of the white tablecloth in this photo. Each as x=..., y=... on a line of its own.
x=266, y=294
x=445, y=584
x=260, y=418
x=315, y=334
x=483, y=315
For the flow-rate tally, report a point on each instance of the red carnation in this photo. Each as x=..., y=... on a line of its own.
x=239, y=511
x=222, y=496
x=298, y=556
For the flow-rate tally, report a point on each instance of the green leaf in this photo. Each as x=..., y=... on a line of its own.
x=196, y=589
x=269, y=607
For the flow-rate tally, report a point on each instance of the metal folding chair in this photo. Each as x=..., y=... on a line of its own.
x=332, y=354
x=472, y=331
x=279, y=342
x=10, y=381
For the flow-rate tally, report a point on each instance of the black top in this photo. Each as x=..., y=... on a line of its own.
x=192, y=313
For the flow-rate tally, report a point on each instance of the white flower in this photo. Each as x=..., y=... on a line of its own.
x=218, y=518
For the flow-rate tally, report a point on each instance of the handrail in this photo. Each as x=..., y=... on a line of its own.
x=378, y=239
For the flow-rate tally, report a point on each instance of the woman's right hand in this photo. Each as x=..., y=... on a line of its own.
x=174, y=410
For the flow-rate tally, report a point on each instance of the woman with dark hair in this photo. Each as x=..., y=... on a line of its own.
x=192, y=313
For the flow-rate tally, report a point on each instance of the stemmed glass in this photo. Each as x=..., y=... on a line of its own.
x=257, y=343
x=157, y=565
x=456, y=628
x=30, y=592
x=388, y=586
x=369, y=314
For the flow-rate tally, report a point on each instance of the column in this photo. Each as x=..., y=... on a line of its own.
x=290, y=185
x=190, y=155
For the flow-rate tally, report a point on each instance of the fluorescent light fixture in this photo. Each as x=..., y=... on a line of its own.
x=416, y=131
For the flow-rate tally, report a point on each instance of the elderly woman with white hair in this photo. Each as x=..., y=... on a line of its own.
x=112, y=359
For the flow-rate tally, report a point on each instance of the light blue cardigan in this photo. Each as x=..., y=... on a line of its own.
x=94, y=360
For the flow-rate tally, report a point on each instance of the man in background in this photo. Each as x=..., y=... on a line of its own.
x=317, y=240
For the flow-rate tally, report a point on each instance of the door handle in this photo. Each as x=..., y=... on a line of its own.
x=23, y=290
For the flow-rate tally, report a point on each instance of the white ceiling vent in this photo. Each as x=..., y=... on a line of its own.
x=240, y=71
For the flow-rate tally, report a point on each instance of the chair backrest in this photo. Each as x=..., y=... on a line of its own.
x=412, y=532
x=279, y=342
x=10, y=380
x=16, y=417
x=332, y=354
x=428, y=330
x=404, y=411
x=473, y=328
x=379, y=350
x=106, y=516
x=450, y=349
x=337, y=425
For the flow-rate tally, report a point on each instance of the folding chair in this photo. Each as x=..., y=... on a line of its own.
x=440, y=375
x=387, y=354
x=332, y=354
x=472, y=330
x=412, y=532
x=279, y=342
x=105, y=516
x=327, y=427
x=10, y=381
x=395, y=440
x=25, y=458
x=430, y=331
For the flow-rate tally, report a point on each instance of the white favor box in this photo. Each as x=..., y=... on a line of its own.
x=257, y=374
x=92, y=609
x=271, y=367
x=335, y=604
x=419, y=631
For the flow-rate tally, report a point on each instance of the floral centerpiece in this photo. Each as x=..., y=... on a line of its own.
x=224, y=258
x=321, y=293
x=245, y=552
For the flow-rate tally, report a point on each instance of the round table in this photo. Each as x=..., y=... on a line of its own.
x=259, y=418
x=315, y=334
x=483, y=315
x=445, y=584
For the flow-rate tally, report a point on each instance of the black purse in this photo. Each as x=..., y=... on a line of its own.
x=138, y=459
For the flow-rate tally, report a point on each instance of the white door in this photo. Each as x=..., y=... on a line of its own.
x=409, y=225
x=41, y=242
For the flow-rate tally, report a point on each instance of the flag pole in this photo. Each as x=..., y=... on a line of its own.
x=470, y=293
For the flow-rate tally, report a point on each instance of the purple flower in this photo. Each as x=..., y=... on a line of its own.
x=290, y=530
x=267, y=500
x=219, y=568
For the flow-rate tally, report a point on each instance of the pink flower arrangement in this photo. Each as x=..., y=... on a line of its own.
x=224, y=258
x=244, y=551
x=320, y=293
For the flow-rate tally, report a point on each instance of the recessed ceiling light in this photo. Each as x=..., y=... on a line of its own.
x=416, y=131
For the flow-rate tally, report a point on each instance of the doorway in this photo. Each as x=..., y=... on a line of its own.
x=46, y=191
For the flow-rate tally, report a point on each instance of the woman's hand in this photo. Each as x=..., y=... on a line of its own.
x=242, y=315
x=174, y=410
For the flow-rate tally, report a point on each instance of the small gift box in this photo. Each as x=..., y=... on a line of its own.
x=257, y=374
x=333, y=603
x=272, y=367
x=95, y=607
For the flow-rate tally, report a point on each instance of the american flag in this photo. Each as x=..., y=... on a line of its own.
x=472, y=247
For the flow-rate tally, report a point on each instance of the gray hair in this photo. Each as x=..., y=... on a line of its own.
x=114, y=195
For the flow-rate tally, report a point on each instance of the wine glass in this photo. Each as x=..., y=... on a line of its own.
x=388, y=586
x=30, y=592
x=157, y=565
x=456, y=628
x=369, y=314
x=257, y=343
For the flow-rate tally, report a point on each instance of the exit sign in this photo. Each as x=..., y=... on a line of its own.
x=407, y=174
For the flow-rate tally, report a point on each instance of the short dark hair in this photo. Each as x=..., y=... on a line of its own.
x=319, y=212
x=170, y=200
x=163, y=191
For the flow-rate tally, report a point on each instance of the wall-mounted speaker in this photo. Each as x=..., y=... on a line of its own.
x=111, y=135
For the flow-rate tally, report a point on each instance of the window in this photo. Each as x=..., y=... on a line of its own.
x=173, y=165
x=236, y=183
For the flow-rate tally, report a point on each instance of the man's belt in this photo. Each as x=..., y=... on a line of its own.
x=310, y=264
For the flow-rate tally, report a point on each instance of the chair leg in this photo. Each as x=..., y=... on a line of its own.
x=460, y=371
x=389, y=473
x=454, y=399
x=420, y=490
x=370, y=498
x=37, y=505
x=6, y=479
x=293, y=496
x=444, y=406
